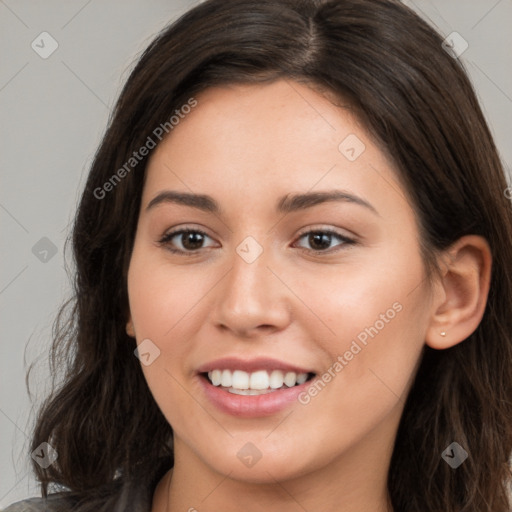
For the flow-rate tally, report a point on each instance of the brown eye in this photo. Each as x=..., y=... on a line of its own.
x=321, y=240
x=186, y=240
x=191, y=240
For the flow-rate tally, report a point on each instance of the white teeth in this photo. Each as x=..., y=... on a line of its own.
x=290, y=378
x=276, y=379
x=301, y=378
x=226, y=380
x=250, y=391
x=240, y=380
x=215, y=377
x=259, y=380
x=255, y=383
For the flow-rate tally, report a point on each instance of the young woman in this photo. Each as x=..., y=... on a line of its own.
x=293, y=286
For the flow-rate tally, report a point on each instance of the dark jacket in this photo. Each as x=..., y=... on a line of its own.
x=135, y=495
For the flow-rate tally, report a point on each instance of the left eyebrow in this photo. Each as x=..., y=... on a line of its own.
x=301, y=201
x=286, y=204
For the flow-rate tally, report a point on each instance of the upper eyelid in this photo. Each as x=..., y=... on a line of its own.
x=302, y=232
x=330, y=230
x=179, y=231
x=346, y=239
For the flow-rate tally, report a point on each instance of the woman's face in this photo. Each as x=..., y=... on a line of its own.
x=280, y=281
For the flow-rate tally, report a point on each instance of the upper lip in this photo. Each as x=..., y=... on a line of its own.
x=250, y=365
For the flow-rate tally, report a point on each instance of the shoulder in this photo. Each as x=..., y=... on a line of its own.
x=50, y=504
x=130, y=493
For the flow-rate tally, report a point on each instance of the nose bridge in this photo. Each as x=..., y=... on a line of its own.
x=248, y=279
x=251, y=296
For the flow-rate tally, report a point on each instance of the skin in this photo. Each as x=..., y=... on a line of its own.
x=247, y=146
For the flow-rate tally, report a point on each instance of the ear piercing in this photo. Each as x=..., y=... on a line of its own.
x=442, y=333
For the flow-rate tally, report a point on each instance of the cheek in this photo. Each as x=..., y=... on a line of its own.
x=366, y=299
x=377, y=315
x=164, y=302
x=162, y=296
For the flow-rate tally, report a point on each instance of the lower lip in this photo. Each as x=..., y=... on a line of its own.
x=251, y=406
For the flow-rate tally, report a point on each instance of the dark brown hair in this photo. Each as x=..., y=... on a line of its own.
x=418, y=104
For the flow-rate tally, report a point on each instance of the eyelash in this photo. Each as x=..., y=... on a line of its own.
x=169, y=236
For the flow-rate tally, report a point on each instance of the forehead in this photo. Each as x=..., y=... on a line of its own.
x=255, y=142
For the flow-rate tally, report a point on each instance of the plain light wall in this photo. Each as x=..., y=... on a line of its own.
x=54, y=111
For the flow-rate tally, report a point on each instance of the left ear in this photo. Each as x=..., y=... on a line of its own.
x=460, y=299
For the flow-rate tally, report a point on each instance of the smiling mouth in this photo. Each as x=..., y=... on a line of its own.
x=260, y=382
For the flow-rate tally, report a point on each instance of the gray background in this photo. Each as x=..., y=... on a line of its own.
x=53, y=114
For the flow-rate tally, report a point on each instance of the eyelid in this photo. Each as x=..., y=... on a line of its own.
x=346, y=240
x=327, y=229
x=164, y=240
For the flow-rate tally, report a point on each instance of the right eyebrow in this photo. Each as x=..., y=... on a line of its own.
x=200, y=201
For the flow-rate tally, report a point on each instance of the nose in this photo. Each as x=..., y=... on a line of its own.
x=251, y=299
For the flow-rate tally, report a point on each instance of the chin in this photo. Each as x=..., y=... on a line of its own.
x=260, y=462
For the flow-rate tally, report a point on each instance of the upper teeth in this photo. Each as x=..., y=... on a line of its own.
x=260, y=379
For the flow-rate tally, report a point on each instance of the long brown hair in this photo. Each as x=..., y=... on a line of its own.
x=417, y=102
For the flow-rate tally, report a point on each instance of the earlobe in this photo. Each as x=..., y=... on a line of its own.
x=459, y=305
x=129, y=328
